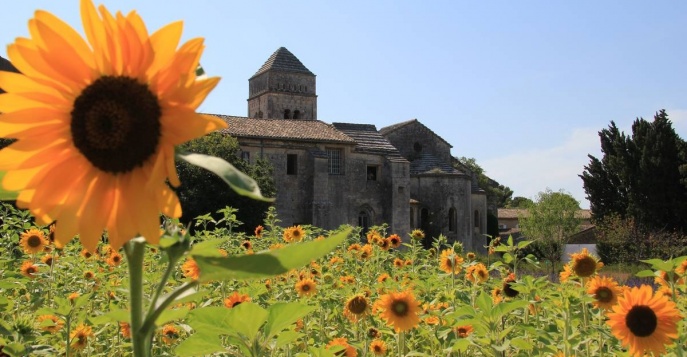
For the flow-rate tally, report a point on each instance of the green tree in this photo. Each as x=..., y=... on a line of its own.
x=549, y=221
x=202, y=192
x=497, y=195
x=642, y=176
x=519, y=202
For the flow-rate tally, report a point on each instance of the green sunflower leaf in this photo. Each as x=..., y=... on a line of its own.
x=268, y=263
x=241, y=183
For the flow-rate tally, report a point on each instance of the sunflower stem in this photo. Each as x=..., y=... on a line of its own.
x=141, y=339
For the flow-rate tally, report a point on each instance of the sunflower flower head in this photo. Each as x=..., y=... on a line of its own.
x=258, y=231
x=114, y=259
x=50, y=323
x=394, y=240
x=477, y=273
x=508, y=286
x=378, y=347
x=190, y=269
x=293, y=234
x=400, y=310
x=33, y=241
x=125, y=329
x=604, y=290
x=235, y=299
x=417, y=234
x=356, y=308
x=80, y=335
x=48, y=259
x=348, y=350
x=450, y=262
x=463, y=331
x=583, y=264
x=101, y=119
x=28, y=269
x=306, y=287
x=643, y=321
x=170, y=334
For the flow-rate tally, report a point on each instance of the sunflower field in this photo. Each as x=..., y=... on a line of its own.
x=373, y=295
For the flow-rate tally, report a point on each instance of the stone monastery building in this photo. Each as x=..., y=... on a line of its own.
x=343, y=173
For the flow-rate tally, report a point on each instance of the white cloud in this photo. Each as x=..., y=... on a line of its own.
x=528, y=172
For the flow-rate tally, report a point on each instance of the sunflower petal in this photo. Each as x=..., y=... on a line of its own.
x=164, y=43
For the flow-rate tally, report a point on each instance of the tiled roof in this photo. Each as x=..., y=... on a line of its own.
x=285, y=129
x=511, y=213
x=283, y=60
x=368, y=139
x=427, y=163
x=391, y=128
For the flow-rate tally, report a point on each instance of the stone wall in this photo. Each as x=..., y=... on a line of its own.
x=414, y=138
x=479, y=221
x=437, y=195
x=313, y=196
x=271, y=94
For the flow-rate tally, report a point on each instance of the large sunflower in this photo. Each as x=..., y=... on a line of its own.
x=33, y=241
x=400, y=310
x=97, y=121
x=644, y=321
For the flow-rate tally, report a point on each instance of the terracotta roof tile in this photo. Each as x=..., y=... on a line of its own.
x=285, y=129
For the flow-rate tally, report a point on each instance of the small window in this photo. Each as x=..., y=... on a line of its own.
x=452, y=219
x=291, y=164
x=260, y=114
x=287, y=114
x=296, y=114
x=372, y=173
x=245, y=155
x=335, y=161
x=477, y=219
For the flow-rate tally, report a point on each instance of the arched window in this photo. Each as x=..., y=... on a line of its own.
x=287, y=114
x=477, y=220
x=452, y=219
x=296, y=114
x=364, y=220
x=260, y=114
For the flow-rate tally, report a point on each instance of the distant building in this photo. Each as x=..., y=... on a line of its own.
x=509, y=224
x=344, y=173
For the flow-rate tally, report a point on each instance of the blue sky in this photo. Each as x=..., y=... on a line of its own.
x=523, y=87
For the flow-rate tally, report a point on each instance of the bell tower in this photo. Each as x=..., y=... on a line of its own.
x=283, y=88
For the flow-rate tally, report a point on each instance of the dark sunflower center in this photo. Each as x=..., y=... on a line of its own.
x=306, y=287
x=400, y=308
x=237, y=303
x=585, y=266
x=508, y=289
x=603, y=294
x=31, y=270
x=34, y=241
x=116, y=123
x=357, y=305
x=641, y=320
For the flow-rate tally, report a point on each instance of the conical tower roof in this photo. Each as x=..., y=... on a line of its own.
x=283, y=60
